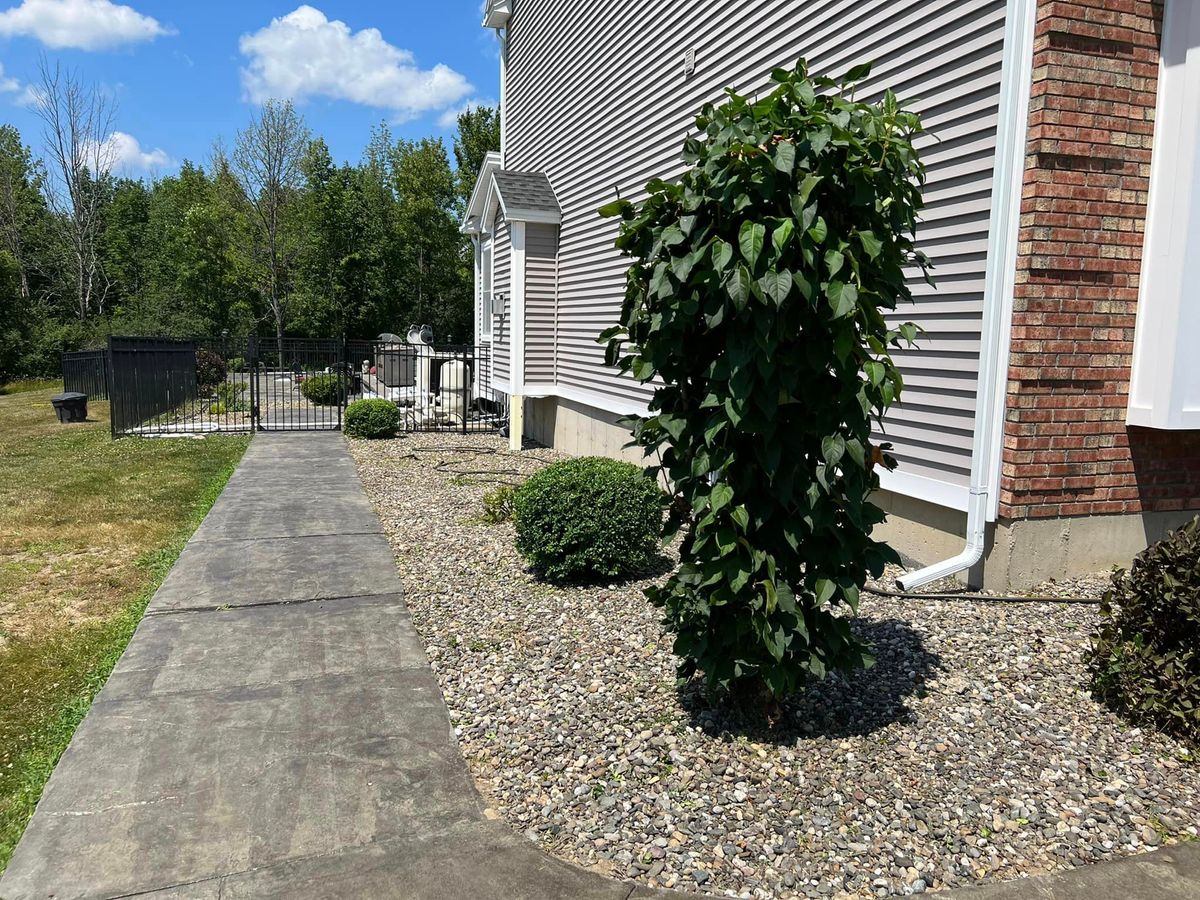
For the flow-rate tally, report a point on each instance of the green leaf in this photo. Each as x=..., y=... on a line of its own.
x=804, y=286
x=720, y=496
x=819, y=230
x=842, y=298
x=616, y=208
x=834, y=260
x=875, y=372
x=871, y=244
x=672, y=236
x=776, y=285
x=785, y=157
x=741, y=516
x=820, y=138
x=738, y=286
x=713, y=429
x=750, y=240
x=856, y=451
x=858, y=72
x=833, y=447
x=682, y=266
x=807, y=186
x=722, y=253
x=824, y=589
x=782, y=236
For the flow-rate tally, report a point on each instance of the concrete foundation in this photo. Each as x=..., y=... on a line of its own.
x=1020, y=554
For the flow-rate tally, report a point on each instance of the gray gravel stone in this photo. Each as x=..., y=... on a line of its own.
x=971, y=752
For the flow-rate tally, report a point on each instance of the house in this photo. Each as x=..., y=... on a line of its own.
x=1051, y=417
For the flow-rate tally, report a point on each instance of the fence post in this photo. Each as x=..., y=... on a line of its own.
x=252, y=365
x=113, y=402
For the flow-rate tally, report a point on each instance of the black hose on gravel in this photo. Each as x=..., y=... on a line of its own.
x=979, y=598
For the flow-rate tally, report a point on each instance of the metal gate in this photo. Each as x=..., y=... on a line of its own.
x=160, y=386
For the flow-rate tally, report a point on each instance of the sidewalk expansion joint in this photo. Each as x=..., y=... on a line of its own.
x=229, y=607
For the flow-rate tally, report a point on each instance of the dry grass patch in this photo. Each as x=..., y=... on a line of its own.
x=88, y=528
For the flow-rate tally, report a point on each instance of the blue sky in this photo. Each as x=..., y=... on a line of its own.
x=184, y=73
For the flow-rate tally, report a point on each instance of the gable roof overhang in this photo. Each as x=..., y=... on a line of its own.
x=522, y=196
x=496, y=13
x=474, y=219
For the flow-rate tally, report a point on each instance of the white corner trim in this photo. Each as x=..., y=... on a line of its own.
x=1000, y=279
x=517, y=298
x=919, y=487
x=1165, y=370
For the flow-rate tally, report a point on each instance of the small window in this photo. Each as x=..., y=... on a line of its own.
x=485, y=291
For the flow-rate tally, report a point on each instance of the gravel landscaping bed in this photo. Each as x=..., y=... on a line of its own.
x=971, y=752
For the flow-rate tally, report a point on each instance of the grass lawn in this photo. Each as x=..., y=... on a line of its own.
x=88, y=528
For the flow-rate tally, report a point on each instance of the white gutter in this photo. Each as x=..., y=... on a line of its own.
x=999, y=281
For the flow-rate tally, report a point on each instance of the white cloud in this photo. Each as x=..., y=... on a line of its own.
x=449, y=118
x=84, y=24
x=8, y=85
x=124, y=155
x=304, y=54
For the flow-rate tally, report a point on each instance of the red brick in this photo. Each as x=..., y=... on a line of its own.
x=1067, y=450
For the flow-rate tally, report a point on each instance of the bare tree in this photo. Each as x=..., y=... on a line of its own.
x=77, y=120
x=266, y=162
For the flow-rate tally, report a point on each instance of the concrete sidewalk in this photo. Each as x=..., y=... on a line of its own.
x=274, y=728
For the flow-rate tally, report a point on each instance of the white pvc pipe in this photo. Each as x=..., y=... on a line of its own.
x=970, y=554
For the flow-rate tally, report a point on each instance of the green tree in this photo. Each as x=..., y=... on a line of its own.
x=478, y=135
x=334, y=257
x=36, y=288
x=266, y=163
x=433, y=251
x=755, y=305
x=124, y=245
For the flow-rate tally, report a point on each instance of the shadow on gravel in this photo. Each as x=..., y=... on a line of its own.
x=655, y=568
x=837, y=707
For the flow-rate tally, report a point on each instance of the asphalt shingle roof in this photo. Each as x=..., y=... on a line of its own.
x=527, y=191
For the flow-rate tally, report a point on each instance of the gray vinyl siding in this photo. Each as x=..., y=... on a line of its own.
x=541, y=270
x=502, y=324
x=597, y=98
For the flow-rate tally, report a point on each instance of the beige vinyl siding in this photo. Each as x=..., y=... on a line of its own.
x=599, y=110
x=541, y=263
x=502, y=324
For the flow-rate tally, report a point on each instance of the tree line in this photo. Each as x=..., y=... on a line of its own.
x=270, y=236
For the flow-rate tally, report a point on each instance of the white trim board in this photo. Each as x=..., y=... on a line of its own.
x=1164, y=386
x=939, y=493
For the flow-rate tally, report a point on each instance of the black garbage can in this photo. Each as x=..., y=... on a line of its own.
x=70, y=406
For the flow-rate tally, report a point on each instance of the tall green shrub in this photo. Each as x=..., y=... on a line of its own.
x=756, y=305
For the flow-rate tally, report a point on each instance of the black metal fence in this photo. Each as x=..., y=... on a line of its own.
x=165, y=386
x=86, y=371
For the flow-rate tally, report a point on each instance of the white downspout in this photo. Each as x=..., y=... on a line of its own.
x=999, y=281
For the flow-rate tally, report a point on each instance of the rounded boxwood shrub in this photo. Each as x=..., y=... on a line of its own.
x=324, y=390
x=376, y=418
x=1145, y=656
x=210, y=369
x=588, y=518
